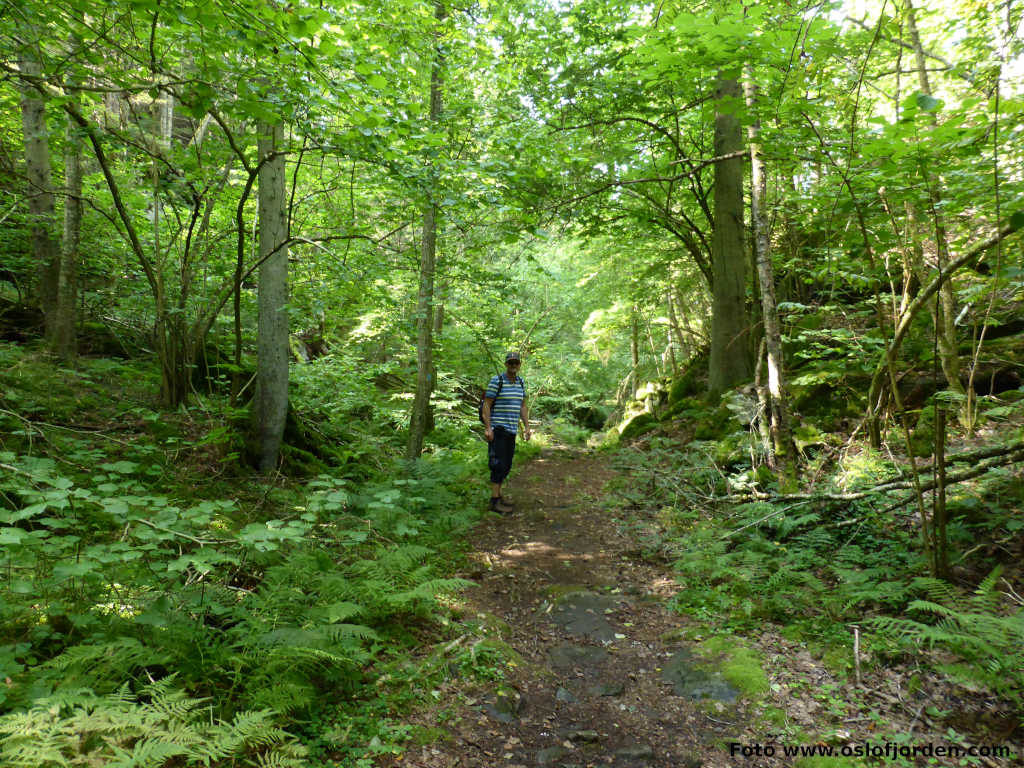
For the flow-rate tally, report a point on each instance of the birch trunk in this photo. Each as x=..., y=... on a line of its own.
x=777, y=401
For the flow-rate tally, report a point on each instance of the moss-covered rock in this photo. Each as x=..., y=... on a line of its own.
x=637, y=425
x=712, y=423
x=691, y=382
x=740, y=665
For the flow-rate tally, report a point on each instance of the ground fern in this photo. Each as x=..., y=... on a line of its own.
x=990, y=643
x=161, y=726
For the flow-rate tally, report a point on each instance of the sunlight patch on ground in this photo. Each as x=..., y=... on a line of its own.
x=533, y=548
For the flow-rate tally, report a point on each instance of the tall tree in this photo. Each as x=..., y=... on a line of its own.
x=40, y=186
x=421, y=415
x=944, y=311
x=778, y=400
x=730, y=355
x=270, y=404
x=63, y=338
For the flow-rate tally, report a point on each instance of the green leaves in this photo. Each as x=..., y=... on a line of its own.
x=926, y=103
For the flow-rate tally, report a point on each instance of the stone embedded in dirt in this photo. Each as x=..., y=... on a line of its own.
x=587, y=736
x=551, y=755
x=565, y=696
x=573, y=656
x=608, y=689
x=583, y=614
x=695, y=682
x=635, y=752
x=506, y=706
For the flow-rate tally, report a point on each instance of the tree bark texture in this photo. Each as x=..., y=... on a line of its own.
x=63, y=340
x=270, y=406
x=730, y=356
x=40, y=193
x=421, y=416
x=634, y=351
x=778, y=400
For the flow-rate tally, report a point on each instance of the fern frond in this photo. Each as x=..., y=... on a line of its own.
x=345, y=633
x=936, y=590
x=280, y=758
x=147, y=753
x=988, y=584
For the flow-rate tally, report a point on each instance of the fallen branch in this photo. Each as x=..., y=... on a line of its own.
x=998, y=458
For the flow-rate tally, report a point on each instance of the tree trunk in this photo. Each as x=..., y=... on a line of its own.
x=270, y=405
x=40, y=193
x=730, y=356
x=676, y=332
x=63, y=340
x=421, y=417
x=671, y=334
x=634, y=352
x=944, y=314
x=778, y=400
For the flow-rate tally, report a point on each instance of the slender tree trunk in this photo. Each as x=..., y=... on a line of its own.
x=945, y=313
x=40, y=193
x=63, y=341
x=730, y=354
x=778, y=401
x=634, y=351
x=671, y=336
x=676, y=331
x=270, y=405
x=421, y=414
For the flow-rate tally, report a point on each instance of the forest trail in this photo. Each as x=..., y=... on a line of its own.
x=602, y=675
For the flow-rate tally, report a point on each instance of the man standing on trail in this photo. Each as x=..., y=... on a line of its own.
x=504, y=407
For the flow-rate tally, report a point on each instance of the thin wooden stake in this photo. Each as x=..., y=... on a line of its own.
x=856, y=653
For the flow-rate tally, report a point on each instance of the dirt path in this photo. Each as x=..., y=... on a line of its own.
x=601, y=674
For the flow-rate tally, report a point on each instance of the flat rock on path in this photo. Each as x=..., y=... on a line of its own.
x=597, y=682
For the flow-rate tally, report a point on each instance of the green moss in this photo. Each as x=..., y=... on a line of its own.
x=838, y=660
x=744, y=671
x=491, y=624
x=677, y=636
x=687, y=385
x=741, y=666
x=557, y=591
x=714, y=424
x=638, y=425
x=775, y=716
x=827, y=762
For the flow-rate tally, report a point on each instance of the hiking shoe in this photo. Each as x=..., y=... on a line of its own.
x=501, y=505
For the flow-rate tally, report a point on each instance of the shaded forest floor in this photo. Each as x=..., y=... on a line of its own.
x=590, y=668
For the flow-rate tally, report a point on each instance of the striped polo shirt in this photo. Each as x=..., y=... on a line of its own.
x=505, y=410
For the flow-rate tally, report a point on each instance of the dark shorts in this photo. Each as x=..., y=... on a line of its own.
x=499, y=454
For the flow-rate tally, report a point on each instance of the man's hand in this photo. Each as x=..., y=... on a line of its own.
x=488, y=434
x=526, y=433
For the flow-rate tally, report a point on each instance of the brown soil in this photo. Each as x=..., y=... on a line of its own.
x=551, y=710
x=561, y=541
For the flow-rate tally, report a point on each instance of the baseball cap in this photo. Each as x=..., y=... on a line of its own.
x=512, y=356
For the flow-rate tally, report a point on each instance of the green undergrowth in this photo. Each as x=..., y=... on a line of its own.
x=814, y=567
x=157, y=602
